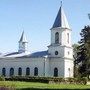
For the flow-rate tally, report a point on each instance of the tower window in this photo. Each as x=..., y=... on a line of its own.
x=68, y=37
x=69, y=71
x=56, y=37
x=56, y=52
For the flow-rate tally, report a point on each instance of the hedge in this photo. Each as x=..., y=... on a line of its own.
x=49, y=79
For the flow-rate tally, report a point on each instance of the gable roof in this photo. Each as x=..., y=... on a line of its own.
x=26, y=55
x=39, y=54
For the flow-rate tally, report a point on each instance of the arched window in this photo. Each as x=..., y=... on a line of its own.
x=35, y=71
x=3, y=71
x=55, y=72
x=68, y=37
x=27, y=71
x=56, y=37
x=19, y=71
x=11, y=71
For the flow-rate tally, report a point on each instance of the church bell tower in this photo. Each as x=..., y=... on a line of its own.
x=60, y=50
x=60, y=37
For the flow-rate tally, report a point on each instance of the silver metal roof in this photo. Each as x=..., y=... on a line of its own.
x=23, y=38
x=61, y=20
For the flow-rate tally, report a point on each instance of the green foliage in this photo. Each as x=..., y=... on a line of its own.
x=57, y=80
x=71, y=80
x=76, y=66
x=82, y=80
x=75, y=50
x=78, y=80
x=83, y=54
x=2, y=78
x=35, y=79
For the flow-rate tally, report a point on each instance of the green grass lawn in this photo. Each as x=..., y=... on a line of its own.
x=21, y=85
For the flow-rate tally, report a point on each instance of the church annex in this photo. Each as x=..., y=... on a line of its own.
x=57, y=61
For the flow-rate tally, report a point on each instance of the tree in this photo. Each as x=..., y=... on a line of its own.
x=75, y=50
x=83, y=54
x=76, y=66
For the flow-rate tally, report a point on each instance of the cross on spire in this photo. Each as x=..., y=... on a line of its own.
x=61, y=3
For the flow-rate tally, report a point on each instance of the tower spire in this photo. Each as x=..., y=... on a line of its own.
x=61, y=20
x=23, y=38
x=23, y=43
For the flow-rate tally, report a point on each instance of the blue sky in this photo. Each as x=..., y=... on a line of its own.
x=36, y=17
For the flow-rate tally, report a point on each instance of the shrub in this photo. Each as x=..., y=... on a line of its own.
x=84, y=80
x=2, y=78
x=49, y=79
x=78, y=80
x=71, y=80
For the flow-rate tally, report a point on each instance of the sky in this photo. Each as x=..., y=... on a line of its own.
x=36, y=17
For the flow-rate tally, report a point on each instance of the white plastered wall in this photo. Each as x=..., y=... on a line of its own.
x=23, y=63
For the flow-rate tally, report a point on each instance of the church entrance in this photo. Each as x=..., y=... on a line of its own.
x=55, y=72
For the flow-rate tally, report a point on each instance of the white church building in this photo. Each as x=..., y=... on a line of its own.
x=57, y=61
